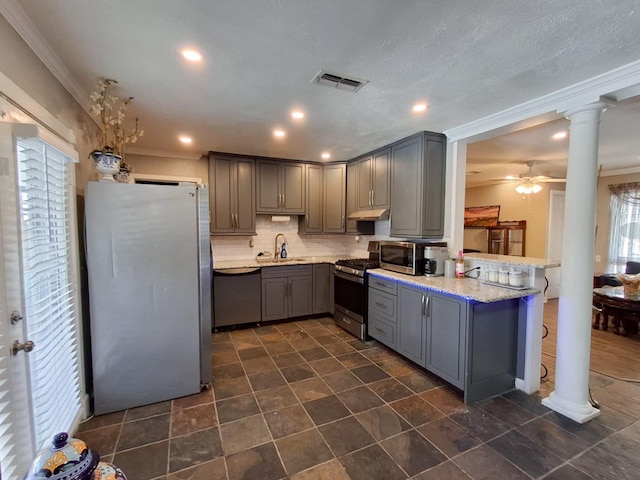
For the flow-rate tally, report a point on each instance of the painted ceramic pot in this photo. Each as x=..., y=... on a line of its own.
x=71, y=459
x=122, y=176
x=107, y=163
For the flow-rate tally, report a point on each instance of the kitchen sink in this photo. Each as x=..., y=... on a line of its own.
x=265, y=259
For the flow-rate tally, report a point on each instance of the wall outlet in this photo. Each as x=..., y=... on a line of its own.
x=598, y=258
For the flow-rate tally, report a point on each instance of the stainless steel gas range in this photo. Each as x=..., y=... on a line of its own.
x=350, y=293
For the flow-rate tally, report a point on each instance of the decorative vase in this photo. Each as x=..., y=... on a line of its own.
x=71, y=459
x=107, y=163
x=122, y=176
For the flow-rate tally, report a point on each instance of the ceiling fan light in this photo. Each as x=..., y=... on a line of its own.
x=536, y=188
x=523, y=188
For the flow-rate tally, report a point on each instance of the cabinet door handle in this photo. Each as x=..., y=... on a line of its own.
x=342, y=223
x=236, y=220
x=378, y=329
x=307, y=217
x=372, y=197
x=422, y=301
x=282, y=200
x=426, y=306
x=381, y=305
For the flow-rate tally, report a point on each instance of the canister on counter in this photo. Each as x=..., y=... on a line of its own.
x=516, y=278
x=493, y=275
x=449, y=268
x=503, y=277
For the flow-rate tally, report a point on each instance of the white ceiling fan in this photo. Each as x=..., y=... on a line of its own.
x=529, y=182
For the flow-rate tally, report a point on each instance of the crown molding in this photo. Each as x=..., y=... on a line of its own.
x=616, y=84
x=620, y=171
x=22, y=24
x=17, y=97
x=150, y=152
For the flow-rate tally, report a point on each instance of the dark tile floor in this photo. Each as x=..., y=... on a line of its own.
x=306, y=400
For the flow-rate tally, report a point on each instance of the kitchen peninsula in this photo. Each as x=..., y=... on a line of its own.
x=481, y=338
x=461, y=330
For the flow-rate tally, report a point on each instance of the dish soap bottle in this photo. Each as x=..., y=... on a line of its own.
x=283, y=251
x=460, y=265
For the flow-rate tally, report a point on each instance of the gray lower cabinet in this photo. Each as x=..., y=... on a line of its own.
x=412, y=323
x=322, y=288
x=446, y=337
x=382, y=311
x=418, y=186
x=287, y=292
x=232, y=184
x=280, y=187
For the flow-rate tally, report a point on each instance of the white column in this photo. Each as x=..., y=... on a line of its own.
x=571, y=394
x=455, y=195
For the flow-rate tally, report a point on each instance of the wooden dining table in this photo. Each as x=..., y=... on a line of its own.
x=622, y=307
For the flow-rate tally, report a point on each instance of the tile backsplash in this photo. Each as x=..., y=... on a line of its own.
x=236, y=247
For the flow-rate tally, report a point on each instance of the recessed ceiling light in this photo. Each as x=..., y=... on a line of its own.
x=184, y=139
x=278, y=133
x=191, y=55
x=560, y=135
x=419, y=107
x=326, y=155
x=297, y=114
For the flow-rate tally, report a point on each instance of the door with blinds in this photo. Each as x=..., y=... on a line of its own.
x=40, y=364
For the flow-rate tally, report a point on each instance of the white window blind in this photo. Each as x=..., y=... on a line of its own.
x=49, y=287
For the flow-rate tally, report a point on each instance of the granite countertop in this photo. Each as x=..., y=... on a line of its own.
x=514, y=260
x=252, y=262
x=468, y=288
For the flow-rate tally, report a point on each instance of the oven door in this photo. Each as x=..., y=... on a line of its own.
x=350, y=295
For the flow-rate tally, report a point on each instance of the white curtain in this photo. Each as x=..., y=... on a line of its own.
x=624, y=231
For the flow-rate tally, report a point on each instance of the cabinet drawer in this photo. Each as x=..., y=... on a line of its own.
x=388, y=286
x=287, y=271
x=382, y=331
x=383, y=304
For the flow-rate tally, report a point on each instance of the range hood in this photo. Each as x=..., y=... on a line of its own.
x=371, y=215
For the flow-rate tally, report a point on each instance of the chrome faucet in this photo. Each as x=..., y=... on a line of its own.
x=276, y=250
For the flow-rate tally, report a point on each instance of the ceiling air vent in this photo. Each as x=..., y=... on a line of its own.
x=338, y=81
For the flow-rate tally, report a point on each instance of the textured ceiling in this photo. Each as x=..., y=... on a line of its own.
x=466, y=59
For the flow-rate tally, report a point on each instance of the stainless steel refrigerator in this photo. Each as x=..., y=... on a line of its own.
x=149, y=269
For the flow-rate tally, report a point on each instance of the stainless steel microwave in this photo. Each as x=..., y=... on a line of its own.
x=402, y=257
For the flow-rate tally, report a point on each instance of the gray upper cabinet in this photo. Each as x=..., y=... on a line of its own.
x=352, y=195
x=325, y=192
x=374, y=181
x=311, y=222
x=280, y=187
x=334, y=198
x=232, y=189
x=417, y=188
